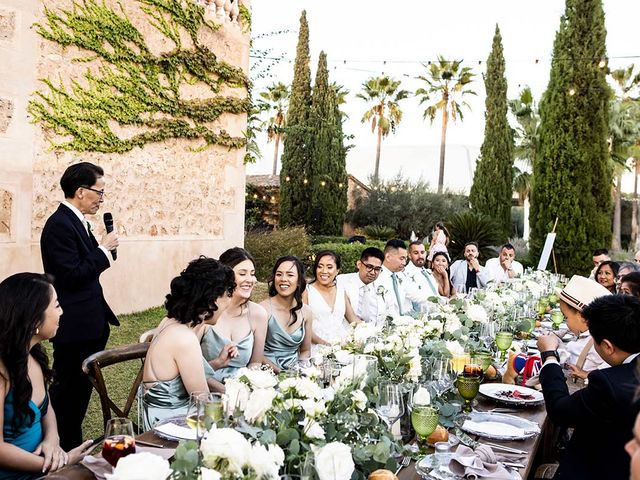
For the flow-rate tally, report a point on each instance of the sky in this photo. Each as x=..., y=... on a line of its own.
x=363, y=39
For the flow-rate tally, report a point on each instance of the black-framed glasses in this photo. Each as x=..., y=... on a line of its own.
x=99, y=192
x=372, y=268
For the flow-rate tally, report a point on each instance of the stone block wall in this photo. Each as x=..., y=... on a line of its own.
x=170, y=201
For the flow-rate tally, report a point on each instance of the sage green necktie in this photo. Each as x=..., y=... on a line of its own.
x=429, y=281
x=394, y=278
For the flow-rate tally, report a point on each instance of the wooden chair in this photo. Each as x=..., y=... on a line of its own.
x=93, y=366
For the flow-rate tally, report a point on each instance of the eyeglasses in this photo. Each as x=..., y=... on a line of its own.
x=371, y=268
x=99, y=192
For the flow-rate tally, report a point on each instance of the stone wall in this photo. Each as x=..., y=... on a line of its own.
x=170, y=201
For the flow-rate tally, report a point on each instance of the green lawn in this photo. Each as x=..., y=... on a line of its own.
x=120, y=377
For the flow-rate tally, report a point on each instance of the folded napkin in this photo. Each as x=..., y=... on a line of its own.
x=176, y=431
x=100, y=467
x=482, y=463
x=494, y=428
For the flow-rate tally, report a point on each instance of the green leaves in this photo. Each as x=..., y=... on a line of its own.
x=186, y=461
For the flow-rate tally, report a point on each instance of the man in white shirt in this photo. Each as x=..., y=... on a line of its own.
x=468, y=273
x=421, y=280
x=362, y=288
x=505, y=267
x=393, y=281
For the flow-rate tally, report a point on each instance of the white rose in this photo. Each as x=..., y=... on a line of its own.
x=227, y=444
x=276, y=452
x=334, y=462
x=259, y=378
x=369, y=348
x=259, y=403
x=263, y=463
x=477, y=313
x=307, y=388
x=454, y=347
x=291, y=403
x=328, y=394
x=415, y=368
x=343, y=357
x=421, y=397
x=312, y=429
x=140, y=466
x=237, y=394
x=209, y=474
x=313, y=408
x=359, y=399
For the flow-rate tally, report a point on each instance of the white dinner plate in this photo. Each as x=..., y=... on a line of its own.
x=174, y=428
x=503, y=392
x=499, y=426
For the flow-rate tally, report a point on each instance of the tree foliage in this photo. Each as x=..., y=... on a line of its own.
x=492, y=187
x=572, y=173
x=294, y=175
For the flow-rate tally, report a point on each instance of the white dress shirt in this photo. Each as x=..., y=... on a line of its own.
x=459, y=270
x=365, y=300
x=421, y=284
x=498, y=274
x=86, y=224
x=398, y=302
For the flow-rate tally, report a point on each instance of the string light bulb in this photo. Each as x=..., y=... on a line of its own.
x=288, y=178
x=572, y=92
x=255, y=195
x=323, y=183
x=602, y=63
x=305, y=181
x=340, y=185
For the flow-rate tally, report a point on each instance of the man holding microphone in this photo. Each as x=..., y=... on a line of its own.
x=71, y=253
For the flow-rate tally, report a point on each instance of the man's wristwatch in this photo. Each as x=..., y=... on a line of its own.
x=549, y=353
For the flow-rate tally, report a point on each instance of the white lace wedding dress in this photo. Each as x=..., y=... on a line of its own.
x=328, y=323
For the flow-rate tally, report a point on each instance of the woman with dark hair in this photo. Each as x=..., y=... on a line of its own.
x=328, y=301
x=630, y=284
x=606, y=274
x=439, y=240
x=440, y=270
x=29, y=445
x=237, y=339
x=290, y=325
x=174, y=367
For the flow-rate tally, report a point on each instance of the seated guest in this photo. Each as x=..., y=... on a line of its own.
x=237, y=338
x=599, y=255
x=630, y=284
x=362, y=288
x=442, y=275
x=290, y=326
x=579, y=355
x=396, y=292
x=624, y=269
x=468, y=273
x=29, y=445
x=174, y=367
x=505, y=267
x=606, y=275
x=330, y=306
x=420, y=277
x=605, y=409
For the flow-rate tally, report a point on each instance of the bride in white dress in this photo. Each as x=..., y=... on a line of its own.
x=330, y=306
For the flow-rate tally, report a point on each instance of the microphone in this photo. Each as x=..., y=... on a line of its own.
x=108, y=224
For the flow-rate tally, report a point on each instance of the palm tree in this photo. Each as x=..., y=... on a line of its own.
x=525, y=111
x=383, y=95
x=341, y=97
x=445, y=81
x=276, y=97
x=624, y=115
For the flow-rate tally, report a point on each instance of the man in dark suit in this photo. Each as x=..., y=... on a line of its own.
x=603, y=413
x=74, y=257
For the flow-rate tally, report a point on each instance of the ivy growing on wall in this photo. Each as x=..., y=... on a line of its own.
x=133, y=87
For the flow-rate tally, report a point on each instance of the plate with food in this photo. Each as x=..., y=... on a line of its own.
x=511, y=394
x=499, y=426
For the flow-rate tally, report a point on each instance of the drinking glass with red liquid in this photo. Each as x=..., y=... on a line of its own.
x=118, y=440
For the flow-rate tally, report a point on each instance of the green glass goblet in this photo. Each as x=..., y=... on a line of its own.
x=483, y=359
x=424, y=419
x=543, y=303
x=468, y=388
x=556, y=318
x=503, y=342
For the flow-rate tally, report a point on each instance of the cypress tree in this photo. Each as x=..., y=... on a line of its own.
x=571, y=173
x=328, y=172
x=492, y=188
x=295, y=174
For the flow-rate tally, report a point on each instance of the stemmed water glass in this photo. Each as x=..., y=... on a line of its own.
x=389, y=404
x=441, y=375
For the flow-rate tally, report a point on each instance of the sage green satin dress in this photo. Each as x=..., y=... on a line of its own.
x=280, y=346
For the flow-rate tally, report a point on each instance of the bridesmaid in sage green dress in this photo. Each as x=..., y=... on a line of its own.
x=174, y=367
x=290, y=326
x=237, y=338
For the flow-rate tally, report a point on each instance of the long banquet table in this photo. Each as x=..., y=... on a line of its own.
x=532, y=445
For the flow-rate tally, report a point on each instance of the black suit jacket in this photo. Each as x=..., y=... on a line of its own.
x=602, y=415
x=76, y=262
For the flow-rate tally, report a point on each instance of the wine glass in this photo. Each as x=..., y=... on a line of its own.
x=389, y=404
x=118, y=440
x=468, y=387
x=212, y=409
x=458, y=362
x=441, y=375
x=424, y=419
x=503, y=342
x=556, y=318
x=195, y=413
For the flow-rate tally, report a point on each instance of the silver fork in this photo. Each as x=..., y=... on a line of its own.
x=403, y=463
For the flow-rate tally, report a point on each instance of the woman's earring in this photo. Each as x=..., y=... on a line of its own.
x=37, y=330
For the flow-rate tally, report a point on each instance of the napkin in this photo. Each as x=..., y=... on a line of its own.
x=479, y=464
x=176, y=431
x=100, y=467
x=498, y=429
